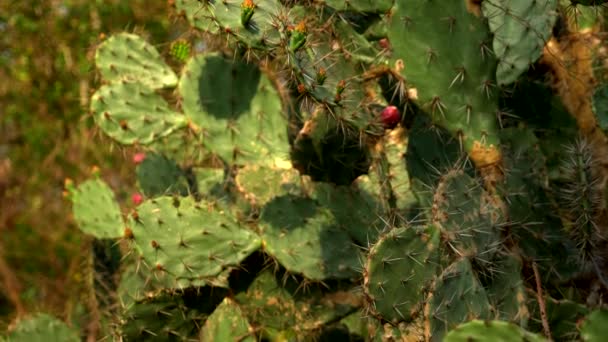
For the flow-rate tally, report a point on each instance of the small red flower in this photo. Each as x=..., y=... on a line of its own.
x=137, y=198
x=138, y=158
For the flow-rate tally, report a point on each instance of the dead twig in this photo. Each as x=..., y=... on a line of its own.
x=541, y=302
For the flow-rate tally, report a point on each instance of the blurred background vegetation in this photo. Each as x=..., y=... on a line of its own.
x=46, y=78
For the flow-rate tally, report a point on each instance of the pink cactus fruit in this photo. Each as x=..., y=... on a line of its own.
x=384, y=43
x=137, y=198
x=138, y=158
x=390, y=117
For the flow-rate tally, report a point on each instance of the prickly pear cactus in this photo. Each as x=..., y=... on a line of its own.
x=41, y=327
x=358, y=170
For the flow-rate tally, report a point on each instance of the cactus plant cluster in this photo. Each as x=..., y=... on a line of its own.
x=362, y=170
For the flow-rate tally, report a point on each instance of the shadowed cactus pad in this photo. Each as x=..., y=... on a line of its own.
x=399, y=268
x=237, y=109
x=306, y=238
x=158, y=175
x=456, y=297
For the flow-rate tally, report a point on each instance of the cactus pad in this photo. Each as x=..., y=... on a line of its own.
x=306, y=238
x=157, y=175
x=190, y=240
x=133, y=113
x=521, y=29
x=276, y=302
x=477, y=330
x=376, y=6
x=96, y=210
x=237, y=109
x=457, y=297
x=127, y=57
x=594, y=328
x=227, y=323
x=261, y=184
x=399, y=268
x=41, y=328
x=443, y=50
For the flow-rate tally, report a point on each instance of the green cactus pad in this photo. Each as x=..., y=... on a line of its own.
x=199, y=14
x=210, y=183
x=96, y=211
x=443, y=51
x=162, y=317
x=139, y=281
x=356, y=211
x=375, y=6
x=276, y=302
x=41, y=327
x=539, y=232
x=431, y=152
x=506, y=291
x=491, y=331
x=398, y=177
x=372, y=185
x=190, y=240
x=260, y=31
x=355, y=45
x=399, y=268
x=600, y=106
x=325, y=75
x=158, y=175
x=133, y=113
x=306, y=238
x=564, y=317
x=128, y=57
x=595, y=327
x=521, y=28
x=457, y=297
x=237, y=108
x=227, y=323
x=468, y=216
x=261, y=184
x=181, y=145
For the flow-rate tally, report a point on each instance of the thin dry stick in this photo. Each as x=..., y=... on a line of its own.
x=541, y=302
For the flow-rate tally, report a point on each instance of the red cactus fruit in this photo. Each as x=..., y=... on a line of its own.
x=138, y=158
x=390, y=117
x=384, y=43
x=137, y=198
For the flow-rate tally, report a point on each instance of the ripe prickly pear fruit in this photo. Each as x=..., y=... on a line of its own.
x=384, y=43
x=390, y=117
x=138, y=158
x=137, y=198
